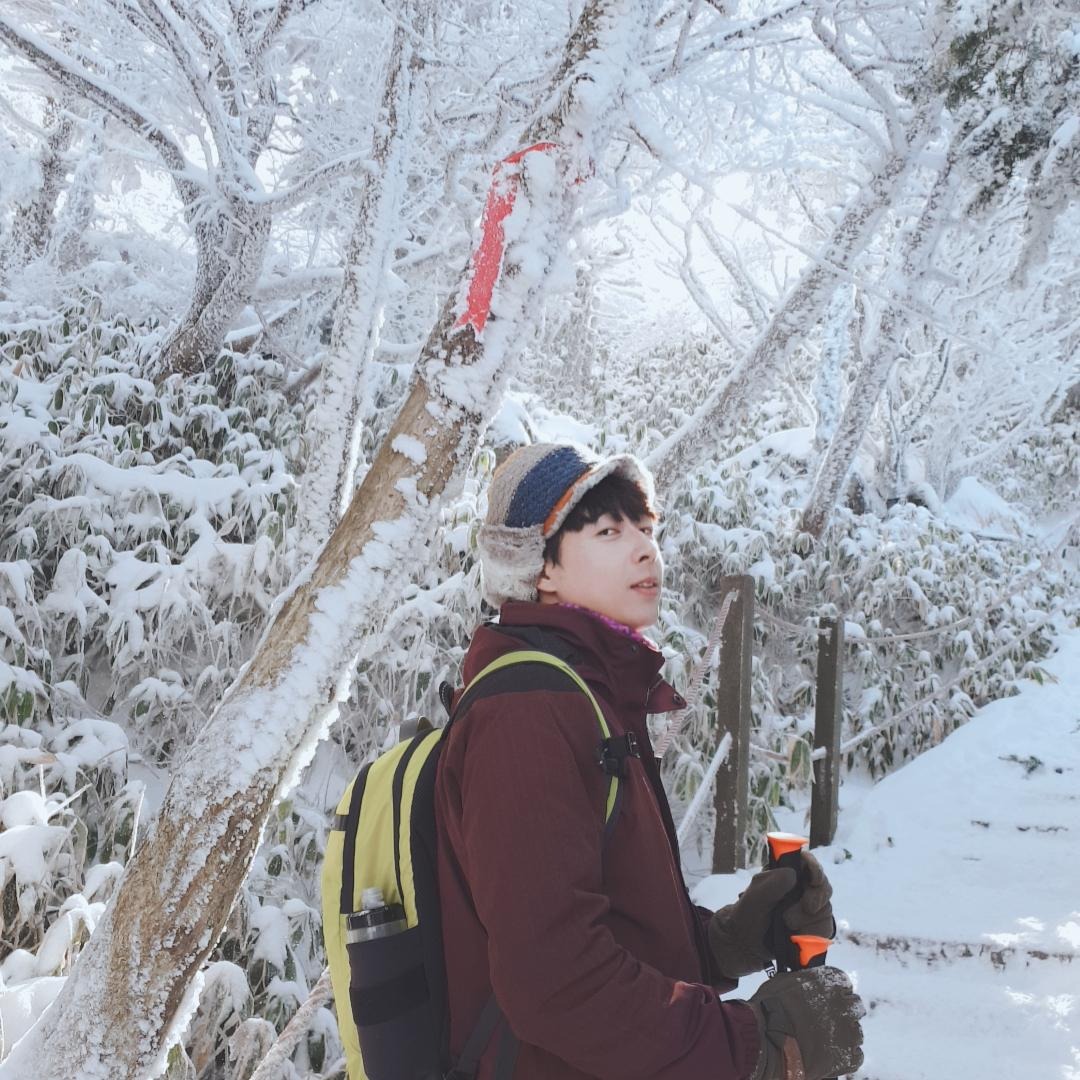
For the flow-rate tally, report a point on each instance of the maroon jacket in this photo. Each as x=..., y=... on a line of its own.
x=594, y=952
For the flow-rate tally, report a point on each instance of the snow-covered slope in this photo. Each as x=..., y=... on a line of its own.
x=957, y=888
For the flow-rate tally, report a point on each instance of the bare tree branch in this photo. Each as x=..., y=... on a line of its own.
x=316, y=180
x=69, y=74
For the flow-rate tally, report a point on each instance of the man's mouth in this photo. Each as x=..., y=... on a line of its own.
x=648, y=585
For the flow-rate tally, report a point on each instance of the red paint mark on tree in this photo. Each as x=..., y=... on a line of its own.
x=488, y=256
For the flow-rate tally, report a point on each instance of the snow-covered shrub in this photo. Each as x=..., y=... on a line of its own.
x=143, y=534
x=1043, y=471
x=68, y=820
x=143, y=525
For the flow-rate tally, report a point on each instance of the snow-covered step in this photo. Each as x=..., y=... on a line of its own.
x=966, y=1021
x=913, y=952
x=957, y=890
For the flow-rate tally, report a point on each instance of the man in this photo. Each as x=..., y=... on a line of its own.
x=572, y=948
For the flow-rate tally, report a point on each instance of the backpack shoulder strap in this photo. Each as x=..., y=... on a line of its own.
x=503, y=675
x=488, y=682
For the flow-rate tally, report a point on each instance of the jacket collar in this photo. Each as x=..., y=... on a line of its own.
x=622, y=663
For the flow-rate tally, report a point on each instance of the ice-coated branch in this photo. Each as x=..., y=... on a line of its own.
x=349, y=165
x=680, y=44
x=215, y=41
x=272, y=27
x=135, y=983
x=833, y=39
x=747, y=295
x=192, y=66
x=331, y=471
x=916, y=251
x=209, y=35
x=135, y=17
x=695, y=287
x=299, y=283
x=802, y=308
x=76, y=79
x=849, y=112
x=660, y=66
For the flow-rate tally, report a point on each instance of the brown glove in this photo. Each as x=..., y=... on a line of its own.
x=738, y=933
x=817, y=1010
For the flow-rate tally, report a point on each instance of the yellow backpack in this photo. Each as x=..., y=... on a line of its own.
x=390, y=980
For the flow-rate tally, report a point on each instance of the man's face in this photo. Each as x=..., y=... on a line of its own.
x=612, y=567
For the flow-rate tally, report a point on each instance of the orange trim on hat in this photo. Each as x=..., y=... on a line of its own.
x=567, y=495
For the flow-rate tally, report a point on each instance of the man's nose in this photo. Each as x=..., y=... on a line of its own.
x=647, y=547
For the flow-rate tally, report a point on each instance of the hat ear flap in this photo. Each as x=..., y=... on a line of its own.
x=511, y=561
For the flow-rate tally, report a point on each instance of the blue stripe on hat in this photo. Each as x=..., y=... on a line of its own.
x=543, y=485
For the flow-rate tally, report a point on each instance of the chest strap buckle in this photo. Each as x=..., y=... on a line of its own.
x=612, y=753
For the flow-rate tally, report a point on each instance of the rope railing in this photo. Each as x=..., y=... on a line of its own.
x=995, y=604
x=693, y=693
x=783, y=624
x=891, y=722
x=280, y=1052
x=812, y=632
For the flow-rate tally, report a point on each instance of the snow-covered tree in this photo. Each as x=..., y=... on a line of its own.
x=32, y=222
x=129, y=996
x=202, y=86
x=358, y=313
x=899, y=131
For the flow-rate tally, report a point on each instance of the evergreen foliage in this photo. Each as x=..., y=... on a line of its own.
x=1023, y=67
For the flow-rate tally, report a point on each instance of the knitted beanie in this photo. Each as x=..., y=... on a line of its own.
x=531, y=495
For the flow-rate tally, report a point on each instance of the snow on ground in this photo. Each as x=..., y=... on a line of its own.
x=977, y=508
x=957, y=890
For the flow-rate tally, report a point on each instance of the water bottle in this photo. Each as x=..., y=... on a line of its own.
x=375, y=919
x=398, y=1031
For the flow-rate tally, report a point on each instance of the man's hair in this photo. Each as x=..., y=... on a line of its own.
x=616, y=495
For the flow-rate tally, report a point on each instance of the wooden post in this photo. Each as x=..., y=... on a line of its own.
x=733, y=717
x=827, y=720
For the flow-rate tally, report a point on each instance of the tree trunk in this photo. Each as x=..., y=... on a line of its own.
x=869, y=382
x=32, y=223
x=829, y=382
x=801, y=309
x=230, y=248
x=871, y=378
x=66, y=246
x=134, y=986
x=331, y=470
